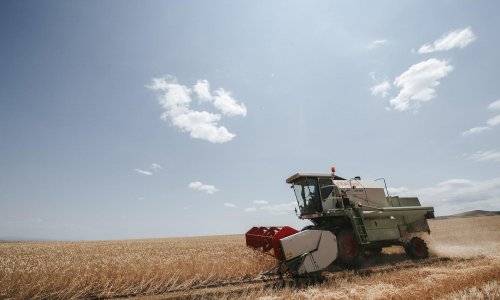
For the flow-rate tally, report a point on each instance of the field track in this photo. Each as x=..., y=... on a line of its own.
x=212, y=290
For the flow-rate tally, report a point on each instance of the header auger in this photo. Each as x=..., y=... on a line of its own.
x=349, y=217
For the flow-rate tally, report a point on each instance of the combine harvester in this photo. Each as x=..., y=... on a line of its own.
x=350, y=217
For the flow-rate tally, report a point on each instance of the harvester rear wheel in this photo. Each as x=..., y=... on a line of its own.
x=416, y=248
x=350, y=252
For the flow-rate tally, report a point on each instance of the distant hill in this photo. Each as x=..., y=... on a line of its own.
x=472, y=213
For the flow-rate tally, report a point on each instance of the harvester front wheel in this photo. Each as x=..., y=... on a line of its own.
x=350, y=251
x=416, y=248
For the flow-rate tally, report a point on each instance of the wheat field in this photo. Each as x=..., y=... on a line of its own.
x=62, y=270
x=465, y=264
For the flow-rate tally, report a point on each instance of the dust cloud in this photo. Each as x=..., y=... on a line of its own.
x=465, y=237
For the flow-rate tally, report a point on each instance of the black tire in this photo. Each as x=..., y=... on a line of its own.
x=416, y=248
x=350, y=252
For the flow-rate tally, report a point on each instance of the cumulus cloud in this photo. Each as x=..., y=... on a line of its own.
x=176, y=100
x=381, y=89
x=225, y=102
x=485, y=156
x=458, y=38
x=209, y=189
x=143, y=172
x=202, y=89
x=418, y=84
x=376, y=44
x=456, y=195
x=491, y=122
x=229, y=205
x=250, y=209
x=202, y=125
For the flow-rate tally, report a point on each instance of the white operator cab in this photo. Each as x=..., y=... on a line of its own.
x=318, y=193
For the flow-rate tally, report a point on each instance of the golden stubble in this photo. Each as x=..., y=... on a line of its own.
x=76, y=270
x=62, y=270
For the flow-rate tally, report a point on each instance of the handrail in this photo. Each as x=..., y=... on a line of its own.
x=386, y=189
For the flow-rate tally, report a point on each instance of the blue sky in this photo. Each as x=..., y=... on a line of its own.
x=136, y=119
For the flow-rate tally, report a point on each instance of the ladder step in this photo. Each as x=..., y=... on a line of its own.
x=358, y=223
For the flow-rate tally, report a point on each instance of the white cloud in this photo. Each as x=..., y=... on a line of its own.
x=143, y=172
x=175, y=99
x=491, y=122
x=209, y=189
x=457, y=195
x=156, y=167
x=222, y=100
x=494, y=105
x=275, y=209
x=454, y=39
x=418, y=84
x=227, y=104
x=396, y=191
x=229, y=205
x=282, y=208
x=203, y=125
x=376, y=44
x=475, y=130
x=381, y=89
x=202, y=89
x=485, y=156
x=260, y=202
